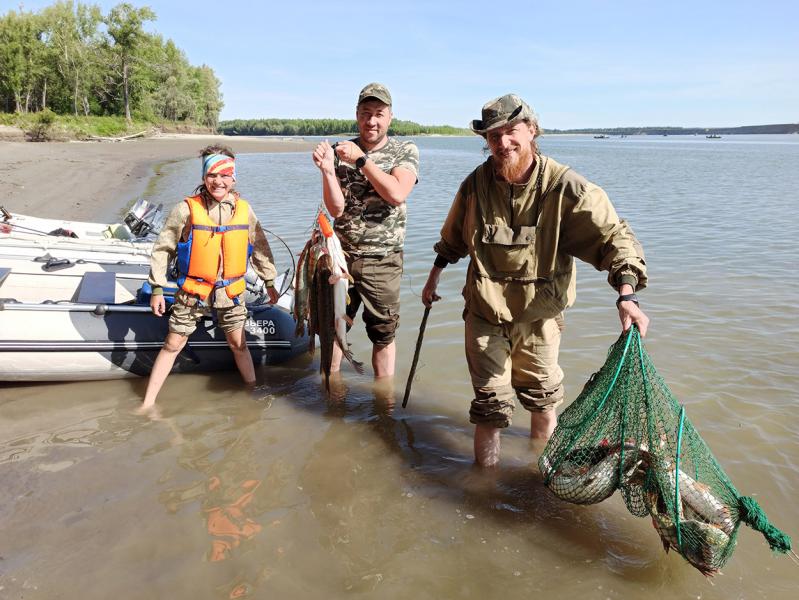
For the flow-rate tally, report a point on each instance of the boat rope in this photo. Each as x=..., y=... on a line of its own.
x=293, y=262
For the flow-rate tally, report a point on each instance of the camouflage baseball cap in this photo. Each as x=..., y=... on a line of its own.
x=501, y=111
x=377, y=91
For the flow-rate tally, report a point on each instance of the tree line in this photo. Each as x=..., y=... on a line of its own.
x=72, y=59
x=291, y=127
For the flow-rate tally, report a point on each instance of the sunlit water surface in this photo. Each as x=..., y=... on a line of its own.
x=291, y=493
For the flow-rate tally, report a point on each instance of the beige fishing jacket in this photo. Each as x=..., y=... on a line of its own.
x=522, y=241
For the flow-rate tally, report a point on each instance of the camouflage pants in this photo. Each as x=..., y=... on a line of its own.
x=513, y=359
x=185, y=314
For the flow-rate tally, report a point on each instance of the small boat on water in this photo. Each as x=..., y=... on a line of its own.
x=713, y=136
x=78, y=309
x=601, y=137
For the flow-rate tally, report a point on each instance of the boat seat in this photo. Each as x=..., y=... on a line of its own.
x=97, y=288
x=4, y=271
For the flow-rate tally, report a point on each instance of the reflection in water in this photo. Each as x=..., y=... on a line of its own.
x=227, y=486
x=228, y=523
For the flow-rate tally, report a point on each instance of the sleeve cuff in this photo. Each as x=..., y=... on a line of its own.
x=270, y=283
x=157, y=290
x=627, y=278
x=440, y=261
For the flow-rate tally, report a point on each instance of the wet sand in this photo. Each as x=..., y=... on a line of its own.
x=95, y=181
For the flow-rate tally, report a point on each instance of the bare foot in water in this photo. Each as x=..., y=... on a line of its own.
x=151, y=411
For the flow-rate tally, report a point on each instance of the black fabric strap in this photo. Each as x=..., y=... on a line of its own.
x=627, y=297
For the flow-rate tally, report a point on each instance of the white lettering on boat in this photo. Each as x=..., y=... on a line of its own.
x=265, y=326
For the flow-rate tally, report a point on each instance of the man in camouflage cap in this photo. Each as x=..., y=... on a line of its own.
x=522, y=219
x=365, y=182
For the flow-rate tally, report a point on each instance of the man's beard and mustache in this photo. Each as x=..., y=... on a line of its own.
x=512, y=167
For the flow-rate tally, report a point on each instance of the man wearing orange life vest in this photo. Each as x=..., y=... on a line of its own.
x=214, y=233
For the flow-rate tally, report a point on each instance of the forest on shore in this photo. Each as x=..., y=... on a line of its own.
x=71, y=59
x=291, y=127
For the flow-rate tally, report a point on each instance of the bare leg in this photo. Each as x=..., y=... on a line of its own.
x=241, y=354
x=383, y=390
x=486, y=445
x=383, y=358
x=335, y=360
x=173, y=344
x=542, y=424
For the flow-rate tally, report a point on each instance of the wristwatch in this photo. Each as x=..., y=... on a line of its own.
x=627, y=297
x=361, y=162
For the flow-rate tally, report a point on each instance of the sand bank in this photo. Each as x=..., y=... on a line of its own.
x=94, y=181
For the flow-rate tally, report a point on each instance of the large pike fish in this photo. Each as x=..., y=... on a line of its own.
x=302, y=288
x=590, y=475
x=321, y=295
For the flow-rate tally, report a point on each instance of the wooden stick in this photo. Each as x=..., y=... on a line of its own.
x=415, y=357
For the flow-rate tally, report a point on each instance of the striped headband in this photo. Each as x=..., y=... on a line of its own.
x=219, y=163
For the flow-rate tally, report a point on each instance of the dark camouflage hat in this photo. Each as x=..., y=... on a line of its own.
x=500, y=112
x=376, y=91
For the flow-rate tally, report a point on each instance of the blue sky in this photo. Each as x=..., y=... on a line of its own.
x=579, y=64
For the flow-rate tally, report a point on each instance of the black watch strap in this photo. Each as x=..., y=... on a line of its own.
x=360, y=162
x=626, y=298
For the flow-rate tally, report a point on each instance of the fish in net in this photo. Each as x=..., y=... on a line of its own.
x=627, y=431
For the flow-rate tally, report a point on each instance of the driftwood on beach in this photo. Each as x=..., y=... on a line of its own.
x=97, y=138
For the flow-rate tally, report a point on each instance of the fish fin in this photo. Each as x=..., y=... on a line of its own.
x=358, y=366
x=348, y=320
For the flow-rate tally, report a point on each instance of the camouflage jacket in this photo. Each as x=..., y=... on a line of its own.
x=522, y=241
x=370, y=226
x=176, y=228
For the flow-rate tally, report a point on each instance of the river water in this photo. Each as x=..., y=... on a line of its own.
x=289, y=493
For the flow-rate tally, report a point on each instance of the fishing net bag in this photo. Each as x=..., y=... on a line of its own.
x=626, y=431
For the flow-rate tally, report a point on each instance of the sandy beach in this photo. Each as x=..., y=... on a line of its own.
x=95, y=181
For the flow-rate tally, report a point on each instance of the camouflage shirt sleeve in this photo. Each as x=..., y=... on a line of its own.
x=262, y=261
x=165, y=247
x=408, y=158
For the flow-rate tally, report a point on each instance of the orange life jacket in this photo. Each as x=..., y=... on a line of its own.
x=209, y=243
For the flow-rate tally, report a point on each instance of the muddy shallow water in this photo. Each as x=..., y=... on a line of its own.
x=289, y=492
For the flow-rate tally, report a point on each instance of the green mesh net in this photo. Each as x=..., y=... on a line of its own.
x=626, y=431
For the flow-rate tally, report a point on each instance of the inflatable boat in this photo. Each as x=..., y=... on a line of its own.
x=78, y=309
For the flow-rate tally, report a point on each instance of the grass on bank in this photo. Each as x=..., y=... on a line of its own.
x=45, y=125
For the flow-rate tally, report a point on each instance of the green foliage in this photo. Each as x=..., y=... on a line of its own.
x=70, y=126
x=292, y=127
x=41, y=131
x=72, y=59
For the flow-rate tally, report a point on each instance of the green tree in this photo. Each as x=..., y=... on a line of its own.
x=73, y=40
x=125, y=25
x=21, y=52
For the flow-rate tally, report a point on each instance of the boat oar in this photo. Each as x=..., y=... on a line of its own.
x=415, y=357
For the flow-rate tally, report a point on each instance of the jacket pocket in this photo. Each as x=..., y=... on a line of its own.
x=509, y=251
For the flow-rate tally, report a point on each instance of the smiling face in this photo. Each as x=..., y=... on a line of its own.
x=218, y=185
x=374, y=118
x=512, y=149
